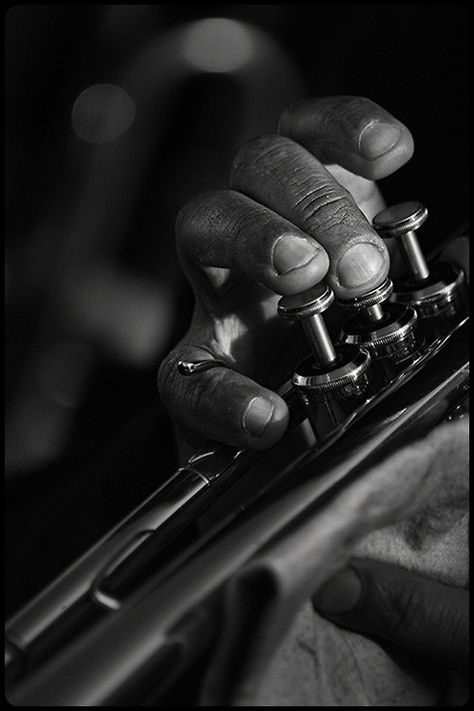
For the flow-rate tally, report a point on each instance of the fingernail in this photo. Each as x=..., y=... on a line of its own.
x=292, y=252
x=360, y=264
x=339, y=594
x=377, y=138
x=257, y=415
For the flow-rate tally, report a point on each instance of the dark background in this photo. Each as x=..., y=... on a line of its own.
x=86, y=436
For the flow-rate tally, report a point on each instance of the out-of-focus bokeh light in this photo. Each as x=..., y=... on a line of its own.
x=218, y=45
x=102, y=113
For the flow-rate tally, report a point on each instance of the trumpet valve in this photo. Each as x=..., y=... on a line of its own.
x=336, y=378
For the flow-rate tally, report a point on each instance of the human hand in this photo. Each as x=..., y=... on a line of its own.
x=286, y=223
x=390, y=603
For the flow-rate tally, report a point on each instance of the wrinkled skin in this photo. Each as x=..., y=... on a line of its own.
x=298, y=210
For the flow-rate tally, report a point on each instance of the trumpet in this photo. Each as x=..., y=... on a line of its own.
x=399, y=368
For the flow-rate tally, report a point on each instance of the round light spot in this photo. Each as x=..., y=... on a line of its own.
x=102, y=113
x=218, y=45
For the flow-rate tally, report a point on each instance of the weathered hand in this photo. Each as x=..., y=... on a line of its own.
x=286, y=222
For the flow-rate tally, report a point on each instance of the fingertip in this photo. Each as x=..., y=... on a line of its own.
x=293, y=251
x=360, y=268
x=223, y=405
x=257, y=415
x=339, y=594
x=264, y=420
x=381, y=154
x=301, y=278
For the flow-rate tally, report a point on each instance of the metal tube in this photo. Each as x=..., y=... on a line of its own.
x=413, y=255
x=180, y=608
x=319, y=339
x=374, y=313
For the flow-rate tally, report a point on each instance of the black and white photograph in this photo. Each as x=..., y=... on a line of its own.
x=237, y=355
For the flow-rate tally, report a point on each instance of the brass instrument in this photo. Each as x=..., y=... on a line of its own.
x=400, y=367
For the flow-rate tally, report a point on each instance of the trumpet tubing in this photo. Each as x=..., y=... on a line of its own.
x=402, y=392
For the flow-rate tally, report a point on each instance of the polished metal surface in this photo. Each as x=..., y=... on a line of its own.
x=73, y=601
x=179, y=610
x=384, y=330
x=187, y=367
x=435, y=290
x=371, y=298
x=307, y=307
x=401, y=221
x=399, y=322
x=374, y=313
x=310, y=302
x=444, y=287
x=391, y=341
x=333, y=382
x=352, y=364
x=370, y=304
x=319, y=339
x=414, y=256
x=54, y=643
x=329, y=397
x=440, y=301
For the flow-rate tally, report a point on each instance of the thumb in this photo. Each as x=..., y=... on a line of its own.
x=388, y=602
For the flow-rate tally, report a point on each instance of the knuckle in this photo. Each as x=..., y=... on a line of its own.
x=328, y=204
x=207, y=211
x=257, y=151
x=245, y=228
x=190, y=211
